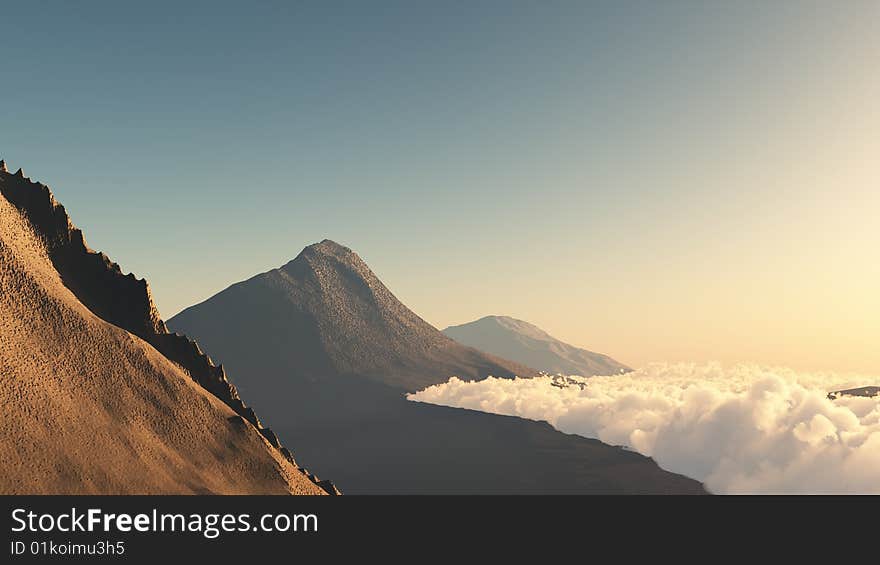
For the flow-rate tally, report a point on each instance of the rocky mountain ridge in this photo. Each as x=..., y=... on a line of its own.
x=122, y=299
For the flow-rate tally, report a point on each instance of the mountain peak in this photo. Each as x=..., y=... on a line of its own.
x=327, y=257
x=502, y=319
x=513, y=324
x=526, y=343
x=328, y=247
x=346, y=322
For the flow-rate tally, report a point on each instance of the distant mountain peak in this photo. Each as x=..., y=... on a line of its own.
x=328, y=247
x=494, y=318
x=513, y=324
x=505, y=320
x=526, y=343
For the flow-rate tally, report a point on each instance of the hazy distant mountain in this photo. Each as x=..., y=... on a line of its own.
x=330, y=353
x=97, y=397
x=530, y=345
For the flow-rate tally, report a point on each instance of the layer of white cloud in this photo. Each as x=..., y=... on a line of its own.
x=740, y=429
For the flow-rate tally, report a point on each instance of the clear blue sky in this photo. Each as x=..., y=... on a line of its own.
x=626, y=175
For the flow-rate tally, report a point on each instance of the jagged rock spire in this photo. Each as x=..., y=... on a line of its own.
x=3, y=166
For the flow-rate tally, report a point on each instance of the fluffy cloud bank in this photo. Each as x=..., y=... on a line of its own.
x=740, y=429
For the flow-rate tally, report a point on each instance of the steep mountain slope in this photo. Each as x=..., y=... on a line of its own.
x=526, y=343
x=329, y=353
x=89, y=404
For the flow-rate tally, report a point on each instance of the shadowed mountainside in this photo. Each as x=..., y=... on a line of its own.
x=331, y=316
x=329, y=353
x=526, y=343
x=98, y=397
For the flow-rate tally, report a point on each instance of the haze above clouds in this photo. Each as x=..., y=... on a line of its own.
x=700, y=176
x=739, y=429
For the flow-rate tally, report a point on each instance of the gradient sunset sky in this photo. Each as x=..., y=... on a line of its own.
x=658, y=181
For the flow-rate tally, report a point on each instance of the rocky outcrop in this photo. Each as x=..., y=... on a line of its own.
x=866, y=391
x=121, y=299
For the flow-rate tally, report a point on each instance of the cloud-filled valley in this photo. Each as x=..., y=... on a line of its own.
x=739, y=429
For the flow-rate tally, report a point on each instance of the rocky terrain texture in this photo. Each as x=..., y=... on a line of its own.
x=528, y=344
x=867, y=391
x=332, y=316
x=98, y=397
x=326, y=354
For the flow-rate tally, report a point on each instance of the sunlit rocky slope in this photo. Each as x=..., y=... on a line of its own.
x=97, y=396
